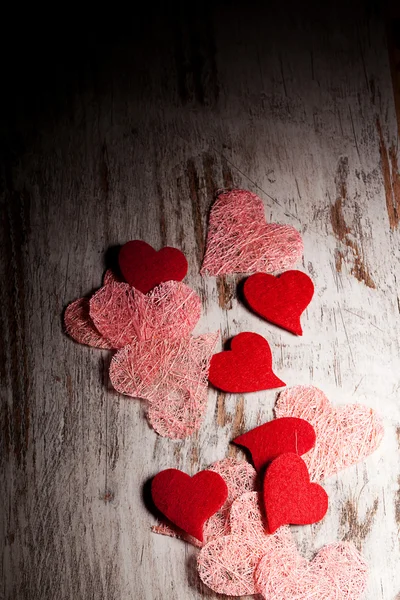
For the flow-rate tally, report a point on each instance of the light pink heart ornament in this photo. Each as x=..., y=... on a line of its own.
x=345, y=435
x=338, y=572
x=80, y=326
x=227, y=564
x=239, y=239
x=122, y=314
x=171, y=374
x=240, y=477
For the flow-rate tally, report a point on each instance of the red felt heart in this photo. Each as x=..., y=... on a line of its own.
x=276, y=437
x=144, y=268
x=280, y=300
x=246, y=367
x=189, y=501
x=289, y=497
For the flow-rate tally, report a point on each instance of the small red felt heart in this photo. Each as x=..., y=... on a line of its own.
x=276, y=437
x=189, y=501
x=246, y=367
x=144, y=268
x=289, y=497
x=280, y=300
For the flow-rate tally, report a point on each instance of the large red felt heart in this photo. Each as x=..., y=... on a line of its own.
x=280, y=300
x=289, y=497
x=240, y=241
x=345, y=434
x=277, y=437
x=246, y=367
x=144, y=268
x=189, y=501
x=240, y=477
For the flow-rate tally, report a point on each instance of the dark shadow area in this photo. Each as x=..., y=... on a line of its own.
x=148, y=500
x=240, y=293
x=111, y=260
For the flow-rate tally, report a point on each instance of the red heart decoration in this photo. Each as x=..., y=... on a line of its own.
x=144, y=268
x=289, y=497
x=189, y=501
x=277, y=437
x=246, y=367
x=280, y=300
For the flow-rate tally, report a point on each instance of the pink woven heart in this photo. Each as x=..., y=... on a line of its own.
x=338, y=572
x=240, y=477
x=240, y=241
x=227, y=564
x=122, y=314
x=171, y=374
x=80, y=326
x=344, y=435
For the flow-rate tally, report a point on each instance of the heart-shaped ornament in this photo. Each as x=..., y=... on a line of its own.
x=240, y=241
x=276, y=437
x=171, y=374
x=227, y=564
x=188, y=501
x=280, y=300
x=246, y=367
x=144, y=268
x=80, y=326
x=122, y=314
x=345, y=435
x=338, y=572
x=240, y=477
x=289, y=497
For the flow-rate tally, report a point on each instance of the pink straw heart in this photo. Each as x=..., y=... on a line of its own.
x=240, y=477
x=344, y=435
x=123, y=314
x=171, y=375
x=80, y=326
x=227, y=563
x=240, y=241
x=338, y=572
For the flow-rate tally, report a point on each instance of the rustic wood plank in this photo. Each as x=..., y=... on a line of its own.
x=129, y=134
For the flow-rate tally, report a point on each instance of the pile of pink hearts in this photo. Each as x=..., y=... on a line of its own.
x=147, y=314
x=242, y=527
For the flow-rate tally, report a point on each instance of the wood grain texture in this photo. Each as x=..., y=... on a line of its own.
x=127, y=130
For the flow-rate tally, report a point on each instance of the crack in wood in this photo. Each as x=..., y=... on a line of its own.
x=391, y=178
x=357, y=529
x=342, y=231
x=193, y=180
x=226, y=290
x=238, y=426
x=16, y=417
x=222, y=417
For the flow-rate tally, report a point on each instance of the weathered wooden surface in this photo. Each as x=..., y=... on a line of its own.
x=131, y=139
